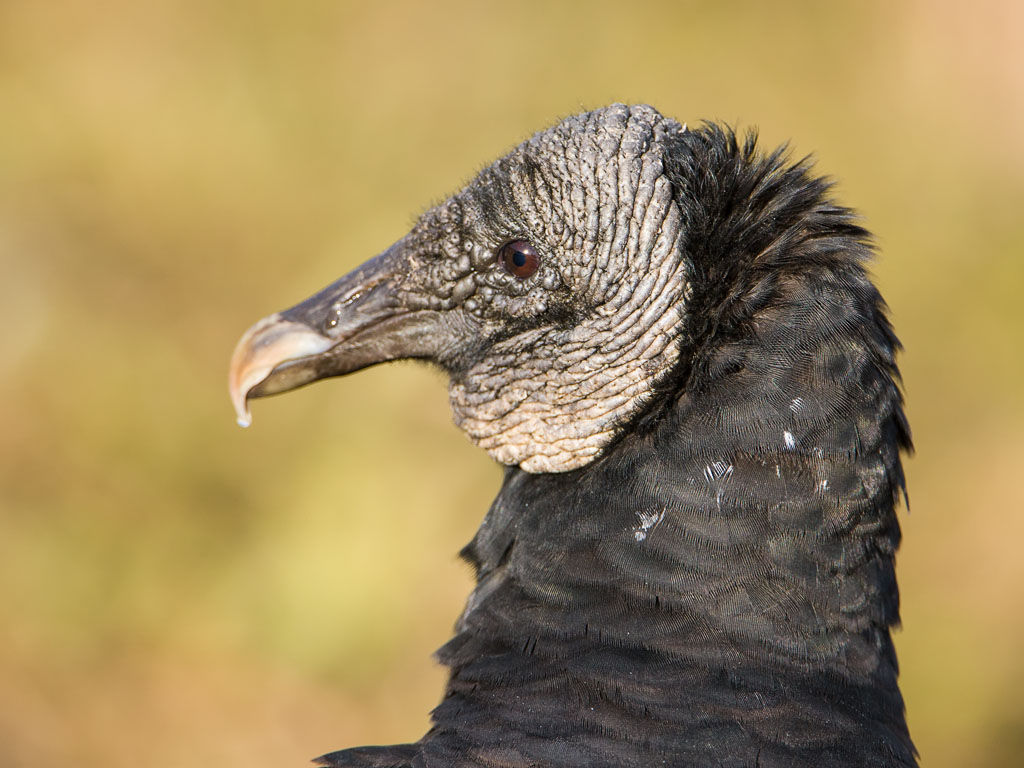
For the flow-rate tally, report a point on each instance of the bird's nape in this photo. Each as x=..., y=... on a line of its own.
x=671, y=342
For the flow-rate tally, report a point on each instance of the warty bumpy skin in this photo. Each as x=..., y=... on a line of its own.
x=596, y=324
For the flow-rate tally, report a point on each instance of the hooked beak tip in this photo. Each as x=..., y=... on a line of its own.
x=266, y=345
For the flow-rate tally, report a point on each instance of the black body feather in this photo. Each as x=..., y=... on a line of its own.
x=717, y=588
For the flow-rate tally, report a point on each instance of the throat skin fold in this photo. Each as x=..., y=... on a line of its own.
x=551, y=399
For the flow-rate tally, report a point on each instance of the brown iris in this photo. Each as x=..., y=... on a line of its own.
x=519, y=258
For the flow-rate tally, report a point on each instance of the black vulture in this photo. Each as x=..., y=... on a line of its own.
x=669, y=340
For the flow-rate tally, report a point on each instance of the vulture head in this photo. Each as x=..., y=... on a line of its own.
x=670, y=341
x=550, y=289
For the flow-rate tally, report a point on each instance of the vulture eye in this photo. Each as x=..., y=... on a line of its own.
x=519, y=258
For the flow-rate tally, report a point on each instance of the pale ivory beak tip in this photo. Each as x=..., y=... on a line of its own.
x=262, y=348
x=240, y=401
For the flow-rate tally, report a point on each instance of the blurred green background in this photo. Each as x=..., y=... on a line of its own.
x=176, y=591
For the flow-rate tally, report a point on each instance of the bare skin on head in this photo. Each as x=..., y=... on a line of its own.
x=542, y=367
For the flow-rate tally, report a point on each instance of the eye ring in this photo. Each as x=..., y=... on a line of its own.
x=519, y=258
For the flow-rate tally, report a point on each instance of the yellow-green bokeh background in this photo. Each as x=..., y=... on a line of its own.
x=175, y=591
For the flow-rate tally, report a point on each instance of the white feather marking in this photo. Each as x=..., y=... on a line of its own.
x=716, y=470
x=648, y=522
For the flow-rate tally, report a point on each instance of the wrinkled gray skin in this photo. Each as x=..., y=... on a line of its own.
x=544, y=368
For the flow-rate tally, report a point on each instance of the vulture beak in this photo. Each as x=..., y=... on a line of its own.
x=358, y=321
